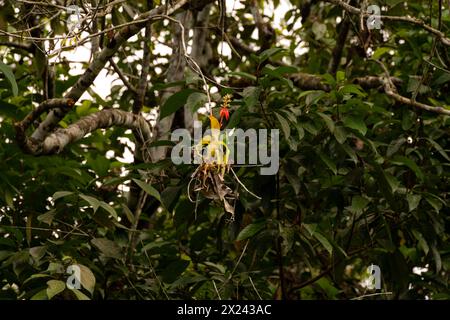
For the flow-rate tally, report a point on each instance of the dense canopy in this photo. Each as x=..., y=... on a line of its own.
x=92, y=205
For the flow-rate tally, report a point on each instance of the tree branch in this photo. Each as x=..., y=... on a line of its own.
x=122, y=76
x=86, y=80
x=175, y=72
x=439, y=34
x=307, y=81
x=266, y=34
x=45, y=106
x=391, y=91
x=340, y=44
x=142, y=87
x=55, y=142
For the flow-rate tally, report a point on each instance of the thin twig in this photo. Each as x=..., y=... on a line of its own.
x=154, y=272
x=215, y=288
x=122, y=76
x=254, y=288
x=243, y=185
x=371, y=295
x=236, y=265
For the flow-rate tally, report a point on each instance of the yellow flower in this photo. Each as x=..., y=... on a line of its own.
x=215, y=146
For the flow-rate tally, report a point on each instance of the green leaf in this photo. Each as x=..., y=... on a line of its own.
x=311, y=228
x=437, y=258
x=328, y=121
x=266, y=54
x=242, y=75
x=83, y=109
x=422, y=242
x=438, y=148
x=394, y=146
x=413, y=201
x=340, y=134
x=329, y=163
x=175, y=102
x=38, y=276
x=235, y=117
x=38, y=252
x=285, y=127
x=173, y=271
x=352, y=88
x=47, y=217
x=99, y=163
x=445, y=77
x=94, y=203
x=196, y=100
x=340, y=76
x=7, y=71
x=391, y=181
x=329, y=79
x=169, y=197
x=278, y=73
x=401, y=160
x=54, y=287
x=87, y=278
x=251, y=96
x=148, y=188
x=110, y=209
x=379, y=52
x=61, y=194
x=41, y=295
x=312, y=96
x=414, y=83
x=407, y=120
x=435, y=203
x=350, y=152
x=358, y=204
x=216, y=266
x=326, y=285
x=107, y=247
x=356, y=123
x=300, y=131
x=251, y=230
x=55, y=267
x=186, y=280
x=9, y=110
x=9, y=199
x=80, y=295
x=283, y=70
x=128, y=213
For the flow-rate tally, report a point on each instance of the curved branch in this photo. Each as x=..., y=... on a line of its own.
x=391, y=91
x=45, y=106
x=55, y=142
